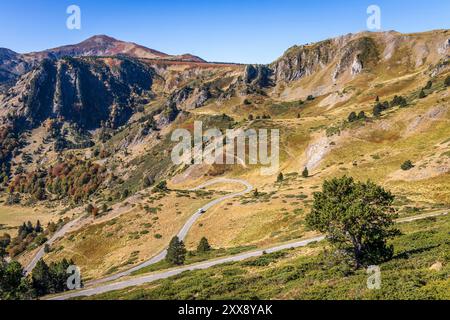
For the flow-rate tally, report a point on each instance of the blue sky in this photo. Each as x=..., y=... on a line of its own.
x=246, y=31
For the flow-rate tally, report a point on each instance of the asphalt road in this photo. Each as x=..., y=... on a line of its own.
x=58, y=234
x=207, y=264
x=166, y=274
x=185, y=229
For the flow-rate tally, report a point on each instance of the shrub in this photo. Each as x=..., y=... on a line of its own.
x=161, y=186
x=362, y=115
x=399, y=101
x=352, y=117
x=305, y=173
x=280, y=177
x=422, y=94
x=380, y=107
x=447, y=81
x=407, y=165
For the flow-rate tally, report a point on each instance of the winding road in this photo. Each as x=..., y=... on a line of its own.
x=140, y=280
x=41, y=252
x=181, y=234
x=170, y=273
x=104, y=285
x=185, y=229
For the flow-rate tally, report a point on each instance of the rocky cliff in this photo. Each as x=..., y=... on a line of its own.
x=86, y=91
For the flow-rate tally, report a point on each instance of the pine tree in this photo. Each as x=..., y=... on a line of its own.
x=203, y=246
x=305, y=173
x=422, y=94
x=41, y=278
x=22, y=231
x=407, y=165
x=13, y=285
x=447, y=81
x=362, y=115
x=161, y=186
x=176, y=253
x=5, y=240
x=59, y=276
x=29, y=227
x=377, y=109
x=38, y=228
x=280, y=177
x=357, y=218
x=352, y=117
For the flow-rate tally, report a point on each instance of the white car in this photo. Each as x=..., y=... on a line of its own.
x=201, y=211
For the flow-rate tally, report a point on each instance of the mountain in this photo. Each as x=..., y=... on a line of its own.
x=335, y=62
x=13, y=65
x=98, y=68
x=92, y=124
x=102, y=45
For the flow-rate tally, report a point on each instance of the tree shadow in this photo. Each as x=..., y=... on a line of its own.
x=406, y=254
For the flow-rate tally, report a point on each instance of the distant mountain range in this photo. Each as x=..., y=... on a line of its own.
x=13, y=64
x=104, y=80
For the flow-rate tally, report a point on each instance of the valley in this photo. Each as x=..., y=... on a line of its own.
x=86, y=140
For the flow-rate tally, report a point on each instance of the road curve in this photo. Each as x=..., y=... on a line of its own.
x=166, y=274
x=185, y=229
x=58, y=234
x=207, y=264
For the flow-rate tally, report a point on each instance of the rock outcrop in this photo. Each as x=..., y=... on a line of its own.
x=83, y=91
x=301, y=61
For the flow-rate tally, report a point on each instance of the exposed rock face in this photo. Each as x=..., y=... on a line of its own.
x=302, y=61
x=356, y=66
x=83, y=91
x=445, y=47
x=189, y=98
x=439, y=68
x=350, y=53
x=355, y=56
x=12, y=65
x=258, y=75
x=89, y=91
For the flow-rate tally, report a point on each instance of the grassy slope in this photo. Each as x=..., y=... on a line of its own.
x=135, y=236
x=371, y=150
x=307, y=274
